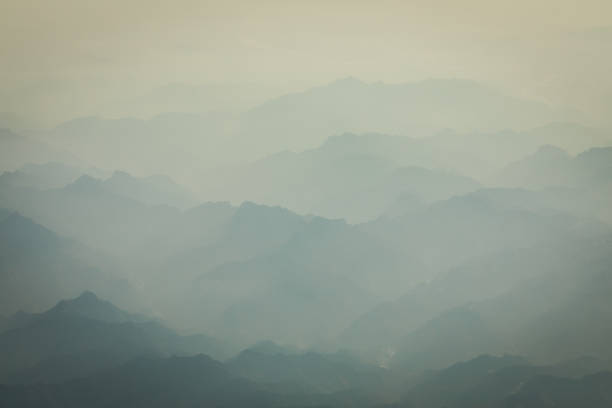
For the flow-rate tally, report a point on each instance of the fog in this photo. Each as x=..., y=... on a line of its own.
x=228, y=204
x=67, y=58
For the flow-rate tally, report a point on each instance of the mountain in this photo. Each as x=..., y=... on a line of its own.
x=352, y=176
x=429, y=347
x=538, y=169
x=243, y=272
x=418, y=108
x=580, y=184
x=469, y=226
x=311, y=372
x=85, y=335
x=551, y=315
x=359, y=176
x=215, y=252
x=200, y=381
x=572, y=137
x=120, y=219
x=552, y=167
x=164, y=144
x=483, y=154
x=452, y=289
x=321, y=276
x=89, y=306
x=465, y=383
x=145, y=243
x=464, y=292
x=507, y=382
x=146, y=382
x=152, y=190
x=177, y=143
x=589, y=391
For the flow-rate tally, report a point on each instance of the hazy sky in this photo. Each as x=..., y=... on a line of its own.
x=65, y=58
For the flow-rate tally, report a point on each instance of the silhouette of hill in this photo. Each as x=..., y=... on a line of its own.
x=84, y=335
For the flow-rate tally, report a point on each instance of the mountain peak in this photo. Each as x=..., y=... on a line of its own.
x=84, y=183
x=90, y=306
x=550, y=150
x=259, y=215
x=121, y=174
x=87, y=296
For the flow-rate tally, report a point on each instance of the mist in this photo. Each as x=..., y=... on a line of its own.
x=290, y=204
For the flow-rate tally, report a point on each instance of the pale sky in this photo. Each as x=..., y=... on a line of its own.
x=67, y=58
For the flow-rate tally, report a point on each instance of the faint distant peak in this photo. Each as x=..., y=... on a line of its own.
x=347, y=82
x=120, y=177
x=121, y=174
x=251, y=206
x=251, y=209
x=551, y=151
x=87, y=296
x=84, y=300
x=252, y=216
x=84, y=183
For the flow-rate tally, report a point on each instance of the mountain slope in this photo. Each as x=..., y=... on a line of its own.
x=551, y=167
x=488, y=381
x=146, y=382
x=558, y=313
x=38, y=268
x=311, y=372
